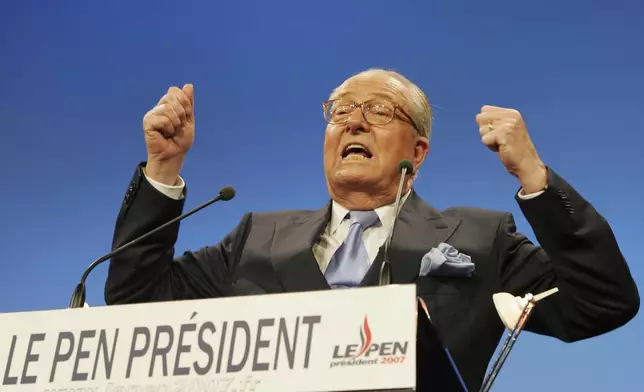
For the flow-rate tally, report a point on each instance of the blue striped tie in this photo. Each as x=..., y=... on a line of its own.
x=350, y=262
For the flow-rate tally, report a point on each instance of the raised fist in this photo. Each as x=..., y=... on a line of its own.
x=503, y=131
x=169, y=130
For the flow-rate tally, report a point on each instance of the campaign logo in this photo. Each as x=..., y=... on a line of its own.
x=369, y=351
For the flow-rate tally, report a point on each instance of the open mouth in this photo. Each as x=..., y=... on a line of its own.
x=356, y=152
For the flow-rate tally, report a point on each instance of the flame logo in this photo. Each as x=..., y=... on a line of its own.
x=365, y=338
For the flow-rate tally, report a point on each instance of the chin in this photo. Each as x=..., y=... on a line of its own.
x=354, y=177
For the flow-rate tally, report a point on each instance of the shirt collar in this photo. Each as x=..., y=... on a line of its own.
x=385, y=213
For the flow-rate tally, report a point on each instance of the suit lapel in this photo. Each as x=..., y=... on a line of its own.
x=292, y=251
x=418, y=229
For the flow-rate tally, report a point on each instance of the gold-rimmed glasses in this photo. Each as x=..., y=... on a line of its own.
x=375, y=112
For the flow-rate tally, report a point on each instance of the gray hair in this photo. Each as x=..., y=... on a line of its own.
x=417, y=102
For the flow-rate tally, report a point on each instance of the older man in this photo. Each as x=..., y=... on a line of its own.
x=376, y=119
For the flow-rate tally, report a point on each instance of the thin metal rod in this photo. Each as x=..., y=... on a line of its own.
x=385, y=268
x=507, y=347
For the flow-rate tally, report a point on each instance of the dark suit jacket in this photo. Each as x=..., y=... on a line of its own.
x=272, y=253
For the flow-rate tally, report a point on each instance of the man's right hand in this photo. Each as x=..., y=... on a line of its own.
x=169, y=130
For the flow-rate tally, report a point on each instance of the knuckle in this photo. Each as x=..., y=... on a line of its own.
x=512, y=122
x=163, y=123
x=170, y=99
x=160, y=109
x=169, y=112
x=151, y=120
x=183, y=98
x=179, y=110
x=177, y=107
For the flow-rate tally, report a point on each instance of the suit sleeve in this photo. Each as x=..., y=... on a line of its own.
x=578, y=254
x=149, y=271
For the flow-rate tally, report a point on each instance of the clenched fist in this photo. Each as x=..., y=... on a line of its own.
x=169, y=130
x=504, y=131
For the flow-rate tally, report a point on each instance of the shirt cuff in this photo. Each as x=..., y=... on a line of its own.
x=523, y=196
x=172, y=191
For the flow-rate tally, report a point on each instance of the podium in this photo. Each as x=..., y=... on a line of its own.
x=366, y=339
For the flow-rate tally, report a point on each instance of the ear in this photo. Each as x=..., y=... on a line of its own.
x=421, y=149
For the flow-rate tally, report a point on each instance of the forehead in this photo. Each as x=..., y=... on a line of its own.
x=362, y=88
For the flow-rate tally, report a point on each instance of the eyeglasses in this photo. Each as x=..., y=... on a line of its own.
x=375, y=112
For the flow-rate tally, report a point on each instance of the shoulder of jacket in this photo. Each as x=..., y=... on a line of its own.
x=280, y=215
x=466, y=212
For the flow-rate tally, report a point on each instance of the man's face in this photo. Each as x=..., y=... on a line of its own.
x=375, y=170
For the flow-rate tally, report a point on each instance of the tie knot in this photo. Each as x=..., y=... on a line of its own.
x=364, y=218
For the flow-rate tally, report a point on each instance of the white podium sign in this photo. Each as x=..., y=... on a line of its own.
x=336, y=340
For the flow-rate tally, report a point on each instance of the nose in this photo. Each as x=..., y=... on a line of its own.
x=356, y=122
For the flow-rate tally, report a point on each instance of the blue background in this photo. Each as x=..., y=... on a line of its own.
x=77, y=78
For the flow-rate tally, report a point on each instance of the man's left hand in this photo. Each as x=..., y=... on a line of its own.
x=504, y=131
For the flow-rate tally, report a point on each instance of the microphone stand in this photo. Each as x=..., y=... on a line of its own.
x=78, y=297
x=405, y=166
x=509, y=342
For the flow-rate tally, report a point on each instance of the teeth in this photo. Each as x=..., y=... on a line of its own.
x=355, y=146
x=355, y=157
x=352, y=155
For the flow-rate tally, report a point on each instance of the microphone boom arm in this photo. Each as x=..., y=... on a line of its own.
x=404, y=167
x=78, y=297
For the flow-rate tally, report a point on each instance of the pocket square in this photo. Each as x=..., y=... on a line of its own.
x=445, y=260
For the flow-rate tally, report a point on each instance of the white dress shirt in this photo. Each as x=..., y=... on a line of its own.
x=337, y=229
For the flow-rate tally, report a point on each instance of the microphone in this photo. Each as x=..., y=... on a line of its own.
x=404, y=167
x=78, y=298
